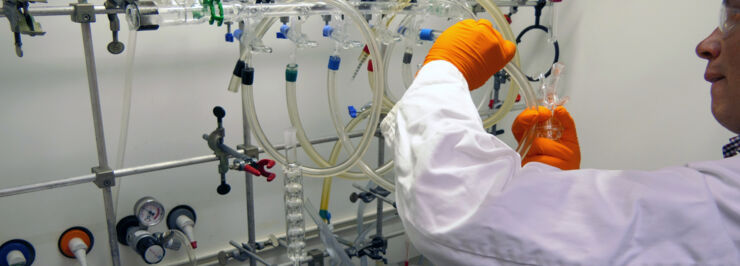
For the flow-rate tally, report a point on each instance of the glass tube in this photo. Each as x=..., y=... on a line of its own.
x=295, y=227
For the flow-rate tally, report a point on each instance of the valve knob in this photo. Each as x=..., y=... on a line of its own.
x=115, y=47
x=223, y=189
x=219, y=112
x=150, y=250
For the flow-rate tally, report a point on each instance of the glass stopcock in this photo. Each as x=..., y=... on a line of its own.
x=149, y=211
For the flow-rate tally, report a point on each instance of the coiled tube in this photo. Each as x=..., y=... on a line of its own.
x=248, y=100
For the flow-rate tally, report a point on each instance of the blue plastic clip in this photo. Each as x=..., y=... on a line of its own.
x=238, y=34
x=402, y=30
x=352, y=111
x=334, y=62
x=426, y=34
x=326, y=215
x=229, y=37
x=283, y=32
x=328, y=30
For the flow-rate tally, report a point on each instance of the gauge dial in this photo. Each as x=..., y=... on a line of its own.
x=149, y=211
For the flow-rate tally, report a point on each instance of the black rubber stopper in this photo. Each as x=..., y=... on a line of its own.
x=238, y=68
x=248, y=76
x=407, y=58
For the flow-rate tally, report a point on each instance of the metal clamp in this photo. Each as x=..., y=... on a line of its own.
x=249, y=150
x=104, y=177
x=83, y=13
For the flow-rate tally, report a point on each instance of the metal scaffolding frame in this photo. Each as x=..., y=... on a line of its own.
x=103, y=176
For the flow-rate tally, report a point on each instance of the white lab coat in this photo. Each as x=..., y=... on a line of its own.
x=464, y=199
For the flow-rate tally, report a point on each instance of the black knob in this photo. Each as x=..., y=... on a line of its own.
x=219, y=112
x=223, y=189
x=150, y=250
x=353, y=197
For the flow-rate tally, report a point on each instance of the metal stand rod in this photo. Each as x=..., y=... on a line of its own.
x=92, y=81
x=66, y=10
x=249, y=181
x=379, y=210
x=42, y=11
x=110, y=220
x=133, y=171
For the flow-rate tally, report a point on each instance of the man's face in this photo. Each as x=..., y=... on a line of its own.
x=722, y=51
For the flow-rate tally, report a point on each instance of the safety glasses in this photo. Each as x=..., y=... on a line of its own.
x=728, y=18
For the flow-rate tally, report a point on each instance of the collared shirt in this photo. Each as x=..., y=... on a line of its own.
x=732, y=148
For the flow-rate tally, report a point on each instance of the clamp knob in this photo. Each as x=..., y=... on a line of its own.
x=219, y=112
x=364, y=196
x=224, y=188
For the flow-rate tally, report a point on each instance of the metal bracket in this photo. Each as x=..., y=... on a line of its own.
x=83, y=13
x=317, y=257
x=104, y=177
x=249, y=150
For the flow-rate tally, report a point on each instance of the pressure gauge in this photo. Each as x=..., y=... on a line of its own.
x=149, y=211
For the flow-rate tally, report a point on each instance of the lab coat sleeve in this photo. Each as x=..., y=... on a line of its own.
x=464, y=199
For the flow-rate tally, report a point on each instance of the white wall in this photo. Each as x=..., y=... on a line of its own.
x=635, y=84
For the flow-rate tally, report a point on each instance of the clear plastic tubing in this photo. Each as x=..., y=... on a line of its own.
x=126, y=111
x=192, y=260
x=368, y=134
x=552, y=35
x=295, y=120
x=295, y=226
x=336, y=120
x=326, y=189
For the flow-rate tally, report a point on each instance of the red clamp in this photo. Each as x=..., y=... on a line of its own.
x=258, y=169
x=370, y=65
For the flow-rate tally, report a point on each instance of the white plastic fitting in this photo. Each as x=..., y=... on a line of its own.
x=79, y=248
x=186, y=225
x=15, y=257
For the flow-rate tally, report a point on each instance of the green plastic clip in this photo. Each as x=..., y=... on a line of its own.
x=211, y=5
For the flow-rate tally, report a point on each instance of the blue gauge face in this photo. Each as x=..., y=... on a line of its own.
x=150, y=213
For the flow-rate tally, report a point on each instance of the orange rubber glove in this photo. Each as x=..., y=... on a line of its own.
x=475, y=48
x=564, y=153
